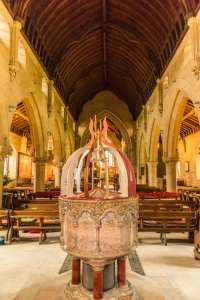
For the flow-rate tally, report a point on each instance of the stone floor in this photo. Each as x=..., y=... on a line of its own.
x=29, y=271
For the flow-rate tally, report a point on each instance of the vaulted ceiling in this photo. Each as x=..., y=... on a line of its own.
x=88, y=46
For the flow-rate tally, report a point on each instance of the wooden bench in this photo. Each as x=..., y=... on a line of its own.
x=147, y=188
x=43, y=220
x=4, y=223
x=165, y=216
x=197, y=238
x=46, y=194
x=159, y=195
x=40, y=201
x=42, y=205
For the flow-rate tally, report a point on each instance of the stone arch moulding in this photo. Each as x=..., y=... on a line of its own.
x=171, y=135
x=112, y=117
x=69, y=143
x=58, y=146
x=153, y=141
x=183, y=90
x=37, y=131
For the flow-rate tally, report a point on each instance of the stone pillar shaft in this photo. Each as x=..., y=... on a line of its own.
x=4, y=150
x=171, y=168
x=152, y=173
x=14, y=43
x=121, y=271
x=76, y=263
x=39, y=173
x=50, y=96
x=58, y=172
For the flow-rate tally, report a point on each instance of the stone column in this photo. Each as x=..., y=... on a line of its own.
x=152, y=173
x=194, y=25
x=4, y=150
x=67, y=149
x=121, y=271
x=39, y=173
x=50, y=96
x=160, y=96
x=58, y=172
x=98, y=282
x=77, y=138
x=145, y=117
x=76, y=263
x=14, y=45
x=171, y=170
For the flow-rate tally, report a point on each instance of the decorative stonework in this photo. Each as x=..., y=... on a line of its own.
x=195, y=68
x=161, y=109
x=99, y=229
x=13, y=72
x=40, y=160
x=72, y=292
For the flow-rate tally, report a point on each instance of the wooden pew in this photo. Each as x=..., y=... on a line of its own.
x=44, y=220
x=197, y=238
x=5, y=223
x=147, y=189
x=159, y=195
x=166, y=216
x=40, y=201
x=46, y=194
x=42, y=205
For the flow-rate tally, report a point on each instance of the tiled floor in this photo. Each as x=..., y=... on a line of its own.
x=25, y=264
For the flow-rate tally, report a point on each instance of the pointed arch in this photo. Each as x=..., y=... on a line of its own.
x=39, y=139
x=120, y=125
x=179, y=96
x=58, y=145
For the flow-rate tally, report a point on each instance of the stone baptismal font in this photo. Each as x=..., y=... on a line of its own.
x=98, y=223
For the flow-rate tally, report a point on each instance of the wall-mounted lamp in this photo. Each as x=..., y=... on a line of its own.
x=11, y=108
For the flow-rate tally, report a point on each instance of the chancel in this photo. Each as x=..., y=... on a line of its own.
x=133, y=68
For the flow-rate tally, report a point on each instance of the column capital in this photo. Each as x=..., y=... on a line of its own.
x=40, y=160
x=152, y=163
x=17, y=24
x=170, y=160
x=58, y=164
x=5, y=150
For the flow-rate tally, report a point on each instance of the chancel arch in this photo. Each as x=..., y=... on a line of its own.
x=117, y=122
